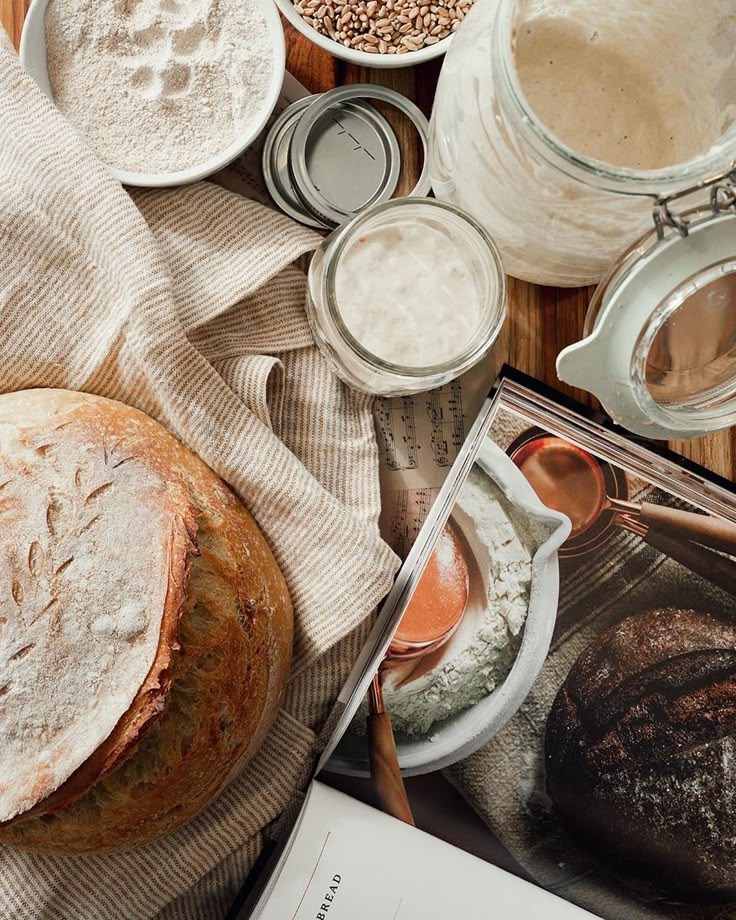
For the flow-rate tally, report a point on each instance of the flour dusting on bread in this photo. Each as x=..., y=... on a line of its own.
x=93, y=549
x=171, y=622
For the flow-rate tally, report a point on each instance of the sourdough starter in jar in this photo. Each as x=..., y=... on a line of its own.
x=633, y=83
x=406, y=294
x=405, y=297
x=555, y=118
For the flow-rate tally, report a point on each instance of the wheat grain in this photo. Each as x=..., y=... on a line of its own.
x=384, y=26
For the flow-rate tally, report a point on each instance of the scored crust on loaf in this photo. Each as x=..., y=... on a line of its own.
x=94, y=557
x=226, y=683
x=235, y=635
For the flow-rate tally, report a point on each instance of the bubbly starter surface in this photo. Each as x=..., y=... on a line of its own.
x=406, y=293
x=634, y=83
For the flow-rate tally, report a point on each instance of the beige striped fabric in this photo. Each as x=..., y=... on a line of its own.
x=187, y=304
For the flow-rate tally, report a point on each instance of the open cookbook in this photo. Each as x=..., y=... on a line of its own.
x=561, y=642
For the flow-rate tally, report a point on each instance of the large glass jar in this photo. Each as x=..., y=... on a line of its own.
x=561, y=215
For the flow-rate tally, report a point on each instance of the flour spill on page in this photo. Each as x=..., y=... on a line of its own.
x=245, y=175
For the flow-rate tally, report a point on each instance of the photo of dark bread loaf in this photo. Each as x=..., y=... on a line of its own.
x=640, y=751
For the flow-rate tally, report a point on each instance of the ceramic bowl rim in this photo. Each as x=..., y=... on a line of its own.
x=361, y=58
x=469, y=730
x=33, y=58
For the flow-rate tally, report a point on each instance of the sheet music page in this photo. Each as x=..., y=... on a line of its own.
x=419, y=438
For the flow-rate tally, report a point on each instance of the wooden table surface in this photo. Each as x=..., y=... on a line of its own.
x=542, y=321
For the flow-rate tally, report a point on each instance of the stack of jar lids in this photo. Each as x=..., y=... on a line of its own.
x=330, y=156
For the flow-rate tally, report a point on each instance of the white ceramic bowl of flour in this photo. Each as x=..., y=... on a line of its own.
x=460, y=735
x=33, y=56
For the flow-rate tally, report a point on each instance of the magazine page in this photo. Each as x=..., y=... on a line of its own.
x=578, y=686
x=351, y=862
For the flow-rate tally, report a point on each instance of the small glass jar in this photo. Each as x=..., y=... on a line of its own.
x=558, y=216
x=350, y=359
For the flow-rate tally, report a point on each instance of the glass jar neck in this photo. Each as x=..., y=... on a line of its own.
x=684, y=359
x=339, y=243
x=591, y=172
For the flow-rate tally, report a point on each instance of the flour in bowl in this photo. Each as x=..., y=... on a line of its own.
x=499, y=543
x=157, y=86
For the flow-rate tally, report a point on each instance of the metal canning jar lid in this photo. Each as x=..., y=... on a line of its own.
x=276, y=163
x=329, y=157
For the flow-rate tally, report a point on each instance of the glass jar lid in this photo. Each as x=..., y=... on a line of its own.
x=660, y=346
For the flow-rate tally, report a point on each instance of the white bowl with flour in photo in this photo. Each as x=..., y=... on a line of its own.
x=165, y=92
x=446, y=705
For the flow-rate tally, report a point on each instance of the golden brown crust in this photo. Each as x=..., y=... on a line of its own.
x=173, y=752
x=72, y=467
x=149, y=702
x=157, y=447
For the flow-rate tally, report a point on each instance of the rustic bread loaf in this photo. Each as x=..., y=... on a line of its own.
x=145, y=628
x=641, y=750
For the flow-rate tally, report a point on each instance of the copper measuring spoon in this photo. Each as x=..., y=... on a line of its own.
x=569, y=479
x=429, y=622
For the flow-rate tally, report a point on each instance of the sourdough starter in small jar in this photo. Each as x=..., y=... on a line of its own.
x=555, y=119
x=406, y=297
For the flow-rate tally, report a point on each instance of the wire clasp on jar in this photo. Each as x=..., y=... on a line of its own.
x=722, y=198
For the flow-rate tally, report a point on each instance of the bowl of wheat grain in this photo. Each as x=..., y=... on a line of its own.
x=378, y=33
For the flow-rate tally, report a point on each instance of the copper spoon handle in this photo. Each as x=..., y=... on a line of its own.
x=705, y=529
x=384, y=760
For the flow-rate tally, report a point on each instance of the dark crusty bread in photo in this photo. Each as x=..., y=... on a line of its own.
x=194, y=577
x=641, y=751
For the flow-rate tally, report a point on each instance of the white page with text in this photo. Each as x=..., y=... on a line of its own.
x=348, y=861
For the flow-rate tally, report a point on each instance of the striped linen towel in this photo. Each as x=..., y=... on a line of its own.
x=187, y=304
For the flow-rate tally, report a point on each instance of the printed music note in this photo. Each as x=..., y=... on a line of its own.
x=397, y=427
x=445, y=412
x=403, y=515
